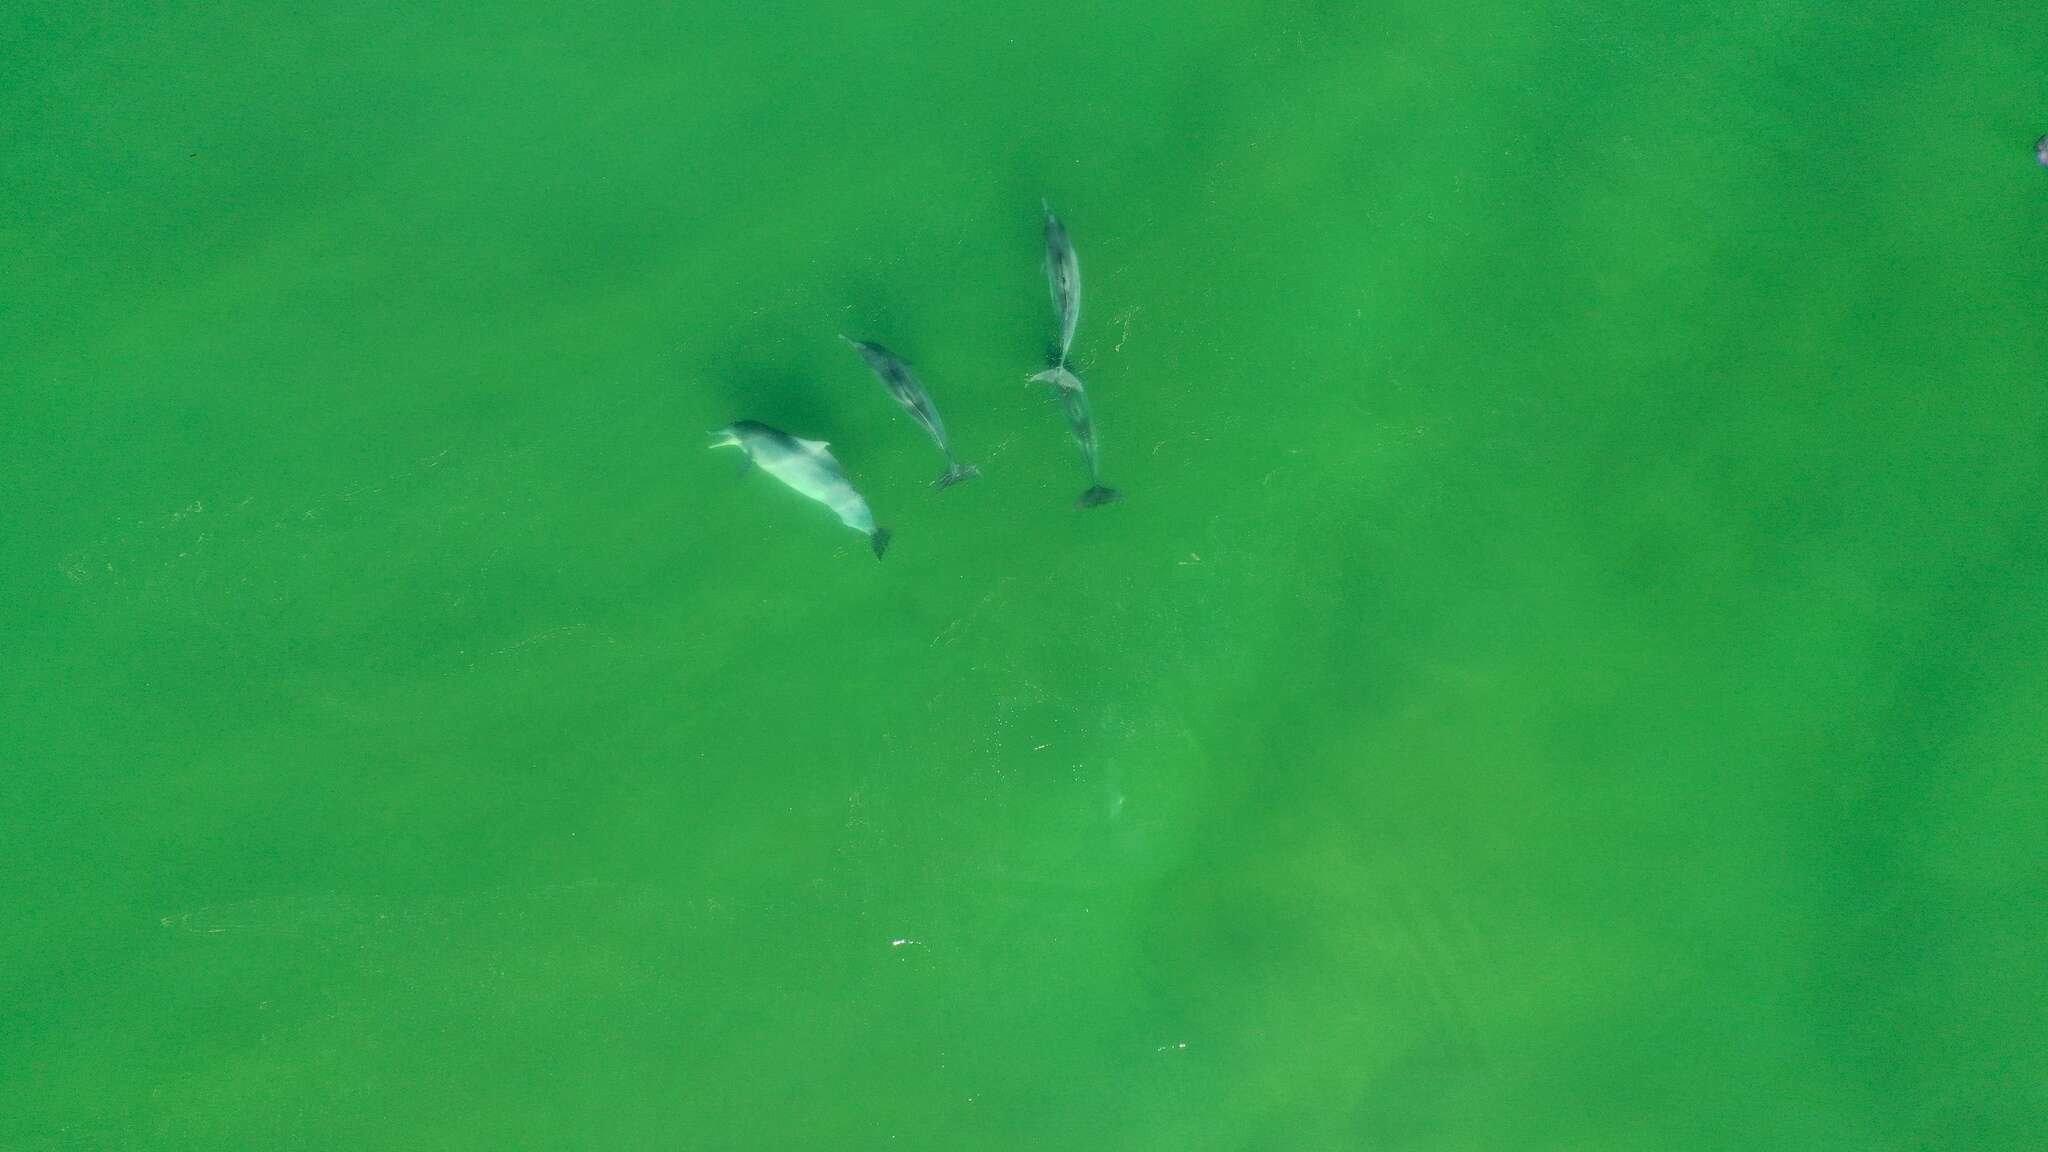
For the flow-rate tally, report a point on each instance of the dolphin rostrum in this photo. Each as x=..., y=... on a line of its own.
x=1063, y=275
x=1074, y=399
x=808, y=467
x=896, y=376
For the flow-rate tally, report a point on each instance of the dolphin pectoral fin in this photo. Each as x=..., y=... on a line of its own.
x=955, y=474
x=746, y=465
x=879, y=541
x=1099, y=494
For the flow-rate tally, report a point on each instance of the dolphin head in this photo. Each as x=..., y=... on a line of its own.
x=724, y=438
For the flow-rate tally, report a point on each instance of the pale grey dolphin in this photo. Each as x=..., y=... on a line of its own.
x=1063, y=276
x=1074, y=399
x=808, y=467
x=896, y=376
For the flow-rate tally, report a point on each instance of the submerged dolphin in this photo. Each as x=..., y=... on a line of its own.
x=1063, y=275
x=895, y=375
x=1074, y=399
x=808, y=467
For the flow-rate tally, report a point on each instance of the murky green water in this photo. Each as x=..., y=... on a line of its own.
x=1567, y=673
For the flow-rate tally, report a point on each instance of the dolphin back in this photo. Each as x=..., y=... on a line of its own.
x=1063, y=279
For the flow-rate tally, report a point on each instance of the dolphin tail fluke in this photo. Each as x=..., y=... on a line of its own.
x=879, y=541
x=956, y=474
x=1100, y=494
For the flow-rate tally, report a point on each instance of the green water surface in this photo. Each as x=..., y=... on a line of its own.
x=1568, y=672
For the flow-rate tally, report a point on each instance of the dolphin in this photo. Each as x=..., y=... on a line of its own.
x=808, y=467
x=1074, y=399
x=1063, y=275
x=895, y=375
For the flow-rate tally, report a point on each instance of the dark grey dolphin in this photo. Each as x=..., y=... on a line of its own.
x=896, y=376
x=1074, y=399
x=808, y=467
x=1063, y=276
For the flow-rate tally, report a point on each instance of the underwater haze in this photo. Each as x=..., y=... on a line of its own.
x=1566, y=670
